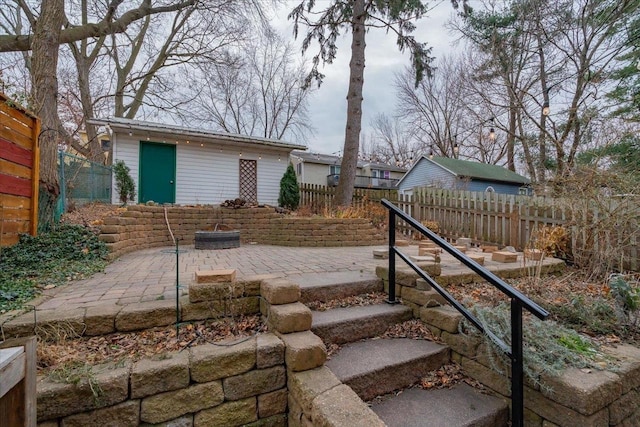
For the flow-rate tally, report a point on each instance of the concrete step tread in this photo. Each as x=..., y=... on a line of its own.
x=349, y=324
x=339, y=284
x=458, y=406
x=371, y=356
x=379, y=366
x=348, y=314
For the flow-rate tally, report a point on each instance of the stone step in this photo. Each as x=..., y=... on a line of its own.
x=379, y=366
x=343, y=325
x=460, y=405
x=327, y=286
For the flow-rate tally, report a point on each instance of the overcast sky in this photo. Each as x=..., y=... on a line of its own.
x=328, y=104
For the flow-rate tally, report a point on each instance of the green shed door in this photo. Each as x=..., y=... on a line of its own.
x=157, y=172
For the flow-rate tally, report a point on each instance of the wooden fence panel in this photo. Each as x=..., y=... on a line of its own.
x=320, y=197
x=19, y=172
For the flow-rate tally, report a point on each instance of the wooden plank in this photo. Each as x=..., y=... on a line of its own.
x=14, y=214
x=23, y=401
x=35, y=178
x=10, y=168
x=16, y=131
x=9, y=239
x=12, y=227
x=16, y=186
x=16, y=154
x=13, y=372
x=9, y=201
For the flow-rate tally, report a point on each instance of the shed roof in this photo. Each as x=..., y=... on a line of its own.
x=159, y=129
x=477, y=170
x=331, y=159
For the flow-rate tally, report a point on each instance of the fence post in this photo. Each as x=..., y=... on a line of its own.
x=392, y=258
x=514, y=228
x=63, y=184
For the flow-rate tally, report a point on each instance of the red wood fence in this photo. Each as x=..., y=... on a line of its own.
x=19, y=172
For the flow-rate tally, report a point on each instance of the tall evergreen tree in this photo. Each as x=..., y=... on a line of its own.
x=340, y=16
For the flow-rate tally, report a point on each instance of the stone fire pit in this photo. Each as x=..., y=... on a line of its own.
x=217, y=239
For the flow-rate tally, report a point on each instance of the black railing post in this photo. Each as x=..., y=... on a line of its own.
x=392, y=258
x=517, y=374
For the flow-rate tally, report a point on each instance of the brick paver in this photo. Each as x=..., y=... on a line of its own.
x=151, y=273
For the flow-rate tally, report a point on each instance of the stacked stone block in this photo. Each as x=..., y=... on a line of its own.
x=316, y=397
x=231, y=385
x=578, y=397
x=143, y=227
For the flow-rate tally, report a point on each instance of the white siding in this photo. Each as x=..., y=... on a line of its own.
x=271, y=168
x=315, y=173
x=127, y=149
x=206, y=175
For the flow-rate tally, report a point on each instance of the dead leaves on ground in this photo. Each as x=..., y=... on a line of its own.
x=352, y=301
x=446, y=377
x=147, y=343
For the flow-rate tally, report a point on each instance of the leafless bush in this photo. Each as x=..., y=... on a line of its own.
x=603, y=214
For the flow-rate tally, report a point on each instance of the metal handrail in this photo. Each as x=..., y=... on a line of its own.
x=518, y=302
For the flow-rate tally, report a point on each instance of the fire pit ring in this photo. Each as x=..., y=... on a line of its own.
x=217, y=239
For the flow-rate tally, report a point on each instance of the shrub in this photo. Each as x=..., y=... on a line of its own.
x=125, y=186
x=289, y=192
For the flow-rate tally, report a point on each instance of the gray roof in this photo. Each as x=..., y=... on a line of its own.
x=330, y=159
x=159, y=129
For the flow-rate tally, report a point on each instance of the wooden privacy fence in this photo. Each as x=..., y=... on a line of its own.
x=320, y=197
x=19, y=168
x=609, y=227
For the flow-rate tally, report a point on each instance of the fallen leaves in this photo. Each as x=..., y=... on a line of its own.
x=352, y=301
x=147, y=343
x=446, y=377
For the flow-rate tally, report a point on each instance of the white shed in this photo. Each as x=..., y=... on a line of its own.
x=174, y=164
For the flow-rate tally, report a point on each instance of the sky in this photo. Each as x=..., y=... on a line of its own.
x=328, y=104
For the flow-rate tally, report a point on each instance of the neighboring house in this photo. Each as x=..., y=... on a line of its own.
x=444, y=172
x=324, y=169
x=173, y=164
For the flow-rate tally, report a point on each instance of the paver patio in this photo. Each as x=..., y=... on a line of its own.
x=150, y=274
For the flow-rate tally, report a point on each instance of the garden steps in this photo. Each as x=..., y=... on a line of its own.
x=375, y=367
x=379, y=366
x=343, y=325
x=461, y=405
x=327, y=286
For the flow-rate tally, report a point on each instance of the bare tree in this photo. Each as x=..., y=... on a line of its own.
x=119, y=28
x=391, y=143
x=257, y=90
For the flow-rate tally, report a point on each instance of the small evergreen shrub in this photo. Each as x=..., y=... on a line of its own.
x=125, y=186
x=289, y=192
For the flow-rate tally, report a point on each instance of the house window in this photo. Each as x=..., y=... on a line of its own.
x=299, y=169
x=375, y=173
x=334, y=170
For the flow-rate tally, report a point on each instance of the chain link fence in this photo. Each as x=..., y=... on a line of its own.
x=81, y=181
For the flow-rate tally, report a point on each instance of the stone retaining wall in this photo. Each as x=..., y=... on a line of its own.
x=146, y=226
x=274, y=379
x=207, y=385
x=577, y=398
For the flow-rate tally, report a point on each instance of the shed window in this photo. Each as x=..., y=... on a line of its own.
x=489, y=190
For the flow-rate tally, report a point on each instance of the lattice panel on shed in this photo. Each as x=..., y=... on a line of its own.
x=249, y=180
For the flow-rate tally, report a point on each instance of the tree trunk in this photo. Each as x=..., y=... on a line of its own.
x=344, y=192
x=46, y=41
